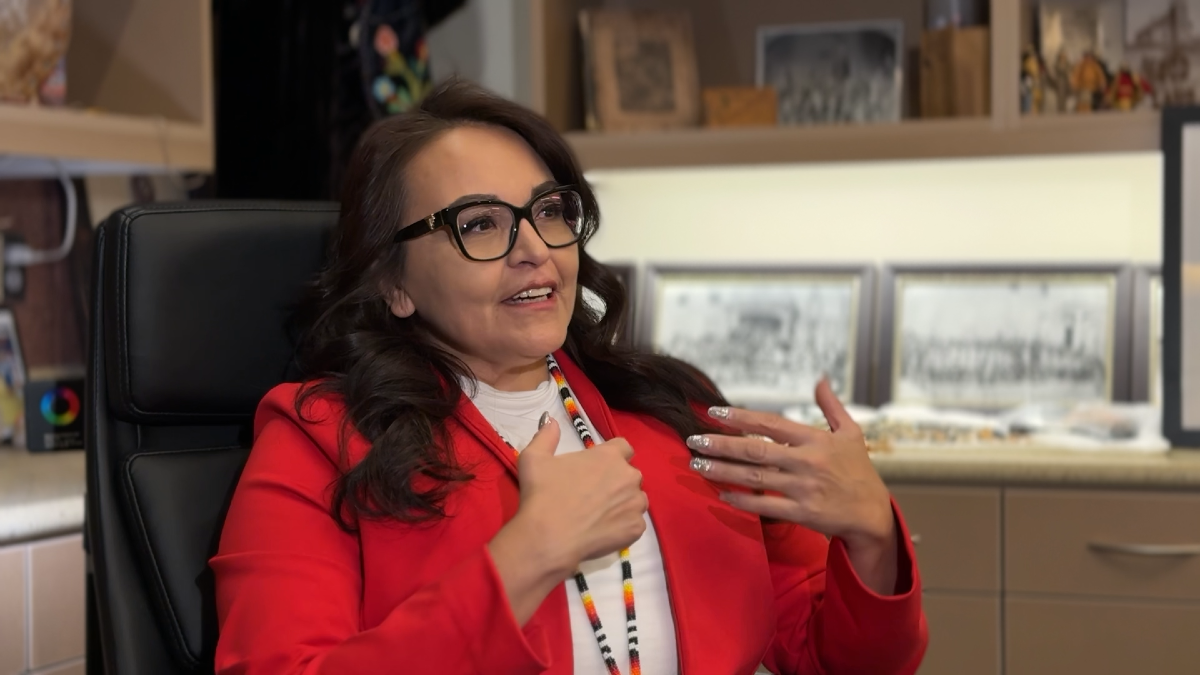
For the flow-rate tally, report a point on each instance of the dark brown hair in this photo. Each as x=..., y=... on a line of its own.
x=398, y=385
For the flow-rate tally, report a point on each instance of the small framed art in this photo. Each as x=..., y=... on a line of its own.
x=828, y=73
x=1145, y=381
x=765, y=336
x=640, y=70
x=993, y=338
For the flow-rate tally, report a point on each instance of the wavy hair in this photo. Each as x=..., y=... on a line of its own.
x=398, y=384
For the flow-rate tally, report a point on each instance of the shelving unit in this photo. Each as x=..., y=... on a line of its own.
x=139, y=89
x=725, y=33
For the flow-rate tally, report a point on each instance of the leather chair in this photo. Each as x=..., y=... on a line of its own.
x=189, y=330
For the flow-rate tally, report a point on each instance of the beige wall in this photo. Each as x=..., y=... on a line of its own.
x=1076, y=208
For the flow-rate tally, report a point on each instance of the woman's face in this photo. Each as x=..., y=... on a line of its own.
x=470, y=304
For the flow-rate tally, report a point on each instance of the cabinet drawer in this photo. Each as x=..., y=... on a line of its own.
x=957, y=535
x=1100, y=638
x=964, y=634
x=1124, y=544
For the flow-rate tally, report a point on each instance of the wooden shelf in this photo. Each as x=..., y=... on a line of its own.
x=916, y=139
x=139, y=91
x=33, y=140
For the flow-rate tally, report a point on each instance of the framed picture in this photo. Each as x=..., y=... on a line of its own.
x=12, y=379
x=1160, y=38
x=992, y=338
x=1145, y=382
x=1181, y=276
x=830, y=73
x=640, y=70
x=765, y=335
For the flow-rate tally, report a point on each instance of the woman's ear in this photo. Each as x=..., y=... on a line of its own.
x=400, y=302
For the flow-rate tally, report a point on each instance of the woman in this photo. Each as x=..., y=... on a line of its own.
x=386, y=523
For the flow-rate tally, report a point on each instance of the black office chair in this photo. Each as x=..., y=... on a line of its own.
x=189, y=330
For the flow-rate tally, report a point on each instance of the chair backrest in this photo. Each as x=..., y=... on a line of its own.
x=189, y=330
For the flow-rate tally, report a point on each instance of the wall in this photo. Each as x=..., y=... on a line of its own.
x=486, y=41
x=1087, y=208
x=42, y=607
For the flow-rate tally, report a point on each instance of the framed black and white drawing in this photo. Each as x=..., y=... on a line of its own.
x=828, y=73
x=1145, y=382
x=992, y=338
x=1181, y=276
x=627, y=275
x=765, y=335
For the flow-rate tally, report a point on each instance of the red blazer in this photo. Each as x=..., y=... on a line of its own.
x=296, y=594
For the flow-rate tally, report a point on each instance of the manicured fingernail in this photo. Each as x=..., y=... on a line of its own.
x=701, y=464
x=543, y=420
x=719, y=412
x=699, y=442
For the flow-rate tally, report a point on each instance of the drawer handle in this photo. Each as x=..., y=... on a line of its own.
x=915, y=538
x=1147, y=550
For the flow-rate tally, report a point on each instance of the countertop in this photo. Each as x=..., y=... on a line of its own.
x=41, y=495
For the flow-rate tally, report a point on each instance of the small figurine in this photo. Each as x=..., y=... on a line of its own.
x=1033, y=75
x=1060, y=83
x=1127, y=89
x=1090, y=82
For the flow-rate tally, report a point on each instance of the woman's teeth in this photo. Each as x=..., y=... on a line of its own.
x=531, y=295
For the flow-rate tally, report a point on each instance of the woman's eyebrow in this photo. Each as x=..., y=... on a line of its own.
x=533, y=192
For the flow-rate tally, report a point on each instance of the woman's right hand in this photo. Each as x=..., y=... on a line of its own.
x=574, y=507
x=584, y=504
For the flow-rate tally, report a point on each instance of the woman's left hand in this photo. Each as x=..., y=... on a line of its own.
x=822, y=480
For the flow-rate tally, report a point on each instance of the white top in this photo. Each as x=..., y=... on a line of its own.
x=515, y=416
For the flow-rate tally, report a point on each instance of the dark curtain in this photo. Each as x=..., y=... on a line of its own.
x=290, y=93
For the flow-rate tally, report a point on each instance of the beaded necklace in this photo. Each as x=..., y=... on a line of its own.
x=585, y=435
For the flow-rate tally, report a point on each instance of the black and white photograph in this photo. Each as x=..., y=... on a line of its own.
x=766, y=338
x=996, y=341
x=1162, y=43
x=834, y=72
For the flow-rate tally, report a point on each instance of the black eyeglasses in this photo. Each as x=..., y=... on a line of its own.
x=487, y=229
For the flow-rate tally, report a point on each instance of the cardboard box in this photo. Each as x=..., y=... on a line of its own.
x=740, y=106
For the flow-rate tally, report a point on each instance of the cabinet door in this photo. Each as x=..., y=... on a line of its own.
x=964, y=634
x=957, y=535
x=1103, y=543
x=1046, y=636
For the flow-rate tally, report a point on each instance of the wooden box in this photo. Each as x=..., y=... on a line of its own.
x=740, y=106
x=955, y=73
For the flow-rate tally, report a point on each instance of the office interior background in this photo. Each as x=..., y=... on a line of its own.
x=898, y=151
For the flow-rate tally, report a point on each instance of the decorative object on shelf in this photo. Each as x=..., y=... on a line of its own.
x=33, y=46
x=834, y=72
x=12, y=381
x=1081, y=41
x=955, y=72
x=1181, y=276
x=995, y=338
x=1127, y=90
x=390, y=36
x=1162, y=42
x=1146, y=361
x=639, y=70
x=765, y=335
x=1033, y=81
x=740, y=106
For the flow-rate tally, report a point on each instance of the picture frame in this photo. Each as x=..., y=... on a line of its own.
x=957, y=335
x=640, y=70
x=1181, y=276
x=12, y=380
x=764, y=334
x=1159, y=35
x=627, y=274
x=833, y=73
x=1146, y=374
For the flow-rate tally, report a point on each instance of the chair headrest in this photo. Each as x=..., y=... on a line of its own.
x=197, y=304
